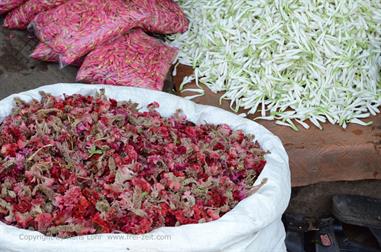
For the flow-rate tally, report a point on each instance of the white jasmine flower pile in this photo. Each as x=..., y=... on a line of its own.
x=294, y=61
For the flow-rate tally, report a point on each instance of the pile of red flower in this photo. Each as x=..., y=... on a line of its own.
x=83, y=165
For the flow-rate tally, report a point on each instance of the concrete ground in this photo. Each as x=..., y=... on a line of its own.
x=18, y=72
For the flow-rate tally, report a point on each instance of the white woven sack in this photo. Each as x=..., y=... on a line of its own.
x=254, y=225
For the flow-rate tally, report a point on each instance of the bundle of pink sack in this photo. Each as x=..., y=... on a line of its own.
x=108, y=40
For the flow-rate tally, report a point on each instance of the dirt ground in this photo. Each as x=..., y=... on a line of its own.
x=18, y=73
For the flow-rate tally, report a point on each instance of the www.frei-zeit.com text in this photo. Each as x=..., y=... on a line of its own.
x=112, y=237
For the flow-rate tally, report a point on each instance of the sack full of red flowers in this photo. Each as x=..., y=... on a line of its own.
x=7, y=5
x=78, y=26
x=20, y=17
x=110, y=168
x=135, y=59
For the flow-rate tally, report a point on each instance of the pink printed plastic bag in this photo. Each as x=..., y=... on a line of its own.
x=135, y=59
x=20, y=17
x=44, y=53
x=7, y=5
x=164, y=16
x=78, y=26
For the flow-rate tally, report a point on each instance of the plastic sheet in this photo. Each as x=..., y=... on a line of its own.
x=135, y=59
x=78, y=26
x=165, y=17
x=7, y=5
x=44, y=53
x=20, y=17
